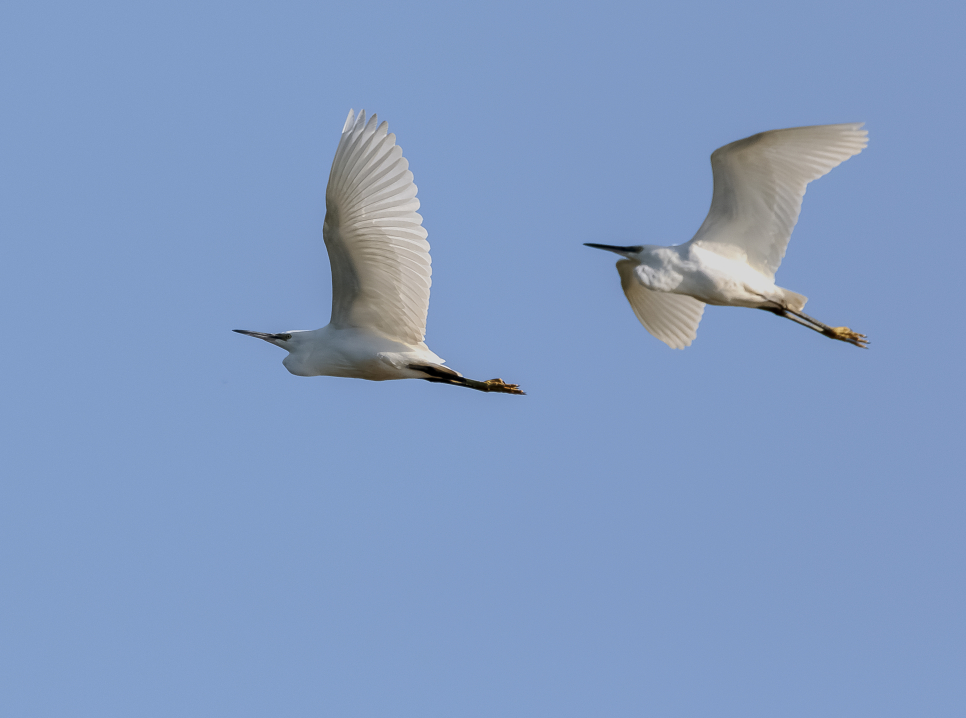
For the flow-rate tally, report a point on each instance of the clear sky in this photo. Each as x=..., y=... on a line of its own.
x=766, y=524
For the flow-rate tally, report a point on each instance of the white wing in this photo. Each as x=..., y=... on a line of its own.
x=759, y=183
x=377, y=246
x=672, y=318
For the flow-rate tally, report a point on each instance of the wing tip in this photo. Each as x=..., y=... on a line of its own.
x=348, y=121
x=353, y=121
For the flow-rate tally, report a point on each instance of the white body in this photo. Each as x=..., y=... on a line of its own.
x=705, y=275
x=354, y=353
x=759, y=183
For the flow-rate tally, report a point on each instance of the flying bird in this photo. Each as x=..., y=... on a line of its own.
x=380, y=272
x=759, y=183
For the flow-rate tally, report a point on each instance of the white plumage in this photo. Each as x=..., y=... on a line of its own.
x=672, y=318
x=759, y=183
x=377, y=245
x=380, y=272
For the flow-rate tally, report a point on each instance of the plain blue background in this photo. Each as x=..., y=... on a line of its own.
x=765, y=524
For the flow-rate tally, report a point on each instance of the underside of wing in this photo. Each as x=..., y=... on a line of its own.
x=672, y=318
x=759, y=183
x=375, y=239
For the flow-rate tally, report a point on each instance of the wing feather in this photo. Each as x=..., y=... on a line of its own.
x=672, y=318
x=381, y=268
x=759, y=183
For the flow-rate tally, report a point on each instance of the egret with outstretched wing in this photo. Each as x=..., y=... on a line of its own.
x=759, y=183
x=380, y=272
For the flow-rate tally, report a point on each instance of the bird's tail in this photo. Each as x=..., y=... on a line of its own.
x=793, y=300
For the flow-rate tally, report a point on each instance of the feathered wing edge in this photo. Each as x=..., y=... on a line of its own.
x=672, y=318
x=381, y=268
x=759, y=185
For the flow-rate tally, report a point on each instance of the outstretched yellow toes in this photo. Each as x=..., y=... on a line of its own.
x=845, y=334
x=498, y=385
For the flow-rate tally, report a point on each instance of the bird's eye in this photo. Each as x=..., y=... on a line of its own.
x=283, y=337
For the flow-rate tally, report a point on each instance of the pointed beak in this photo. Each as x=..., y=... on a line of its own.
x=624, y=251
x=270, y=338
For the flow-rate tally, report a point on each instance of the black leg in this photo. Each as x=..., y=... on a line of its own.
x=842, y=334
x=443, y=375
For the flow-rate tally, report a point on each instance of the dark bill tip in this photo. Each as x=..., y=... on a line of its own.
x=258, y=335
x=271, y=338
x=613, y=248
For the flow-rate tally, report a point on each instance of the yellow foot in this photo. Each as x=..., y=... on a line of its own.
x=502, y=387
x=845, y=334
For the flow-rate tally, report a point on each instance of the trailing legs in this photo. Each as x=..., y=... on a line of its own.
x=445, y=375
x=843, y=334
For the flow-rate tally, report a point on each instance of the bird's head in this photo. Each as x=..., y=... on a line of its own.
x=298, y=344
x=629, y=252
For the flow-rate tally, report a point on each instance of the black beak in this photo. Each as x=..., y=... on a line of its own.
x=270, y=338
x=612, y=248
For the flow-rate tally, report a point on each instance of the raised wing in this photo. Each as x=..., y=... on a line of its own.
x=672, y=318
x=759, y=183
x=377, y=245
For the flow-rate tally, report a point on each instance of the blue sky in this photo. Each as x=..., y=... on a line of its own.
x=765, y=524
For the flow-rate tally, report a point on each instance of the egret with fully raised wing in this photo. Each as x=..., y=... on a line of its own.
x=380, y=272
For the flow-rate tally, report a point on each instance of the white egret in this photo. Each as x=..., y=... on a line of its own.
x=380, y=272
x=759, y=183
